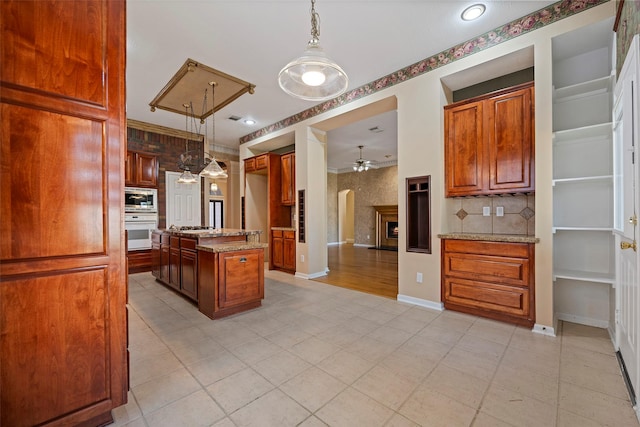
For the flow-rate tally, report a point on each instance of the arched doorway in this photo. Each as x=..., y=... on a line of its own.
x=346, y=216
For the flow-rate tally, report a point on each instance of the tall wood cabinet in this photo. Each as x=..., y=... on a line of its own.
x=288, y=187
x=489, y=143
x=63, y=352
x=583, y=181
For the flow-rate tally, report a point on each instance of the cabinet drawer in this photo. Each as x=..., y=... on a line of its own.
x=175, y=242
x=509, y=270
x=189, y=244
x=261, y=161
x=276, y=233
x=289, y=234
x=487, y=296
x=514, y=250
x=156, y=238
x=165, y=238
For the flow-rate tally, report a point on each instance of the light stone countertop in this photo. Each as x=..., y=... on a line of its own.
x=510, y=238
x=284, y=228
x=231, y=246
x=212, y=232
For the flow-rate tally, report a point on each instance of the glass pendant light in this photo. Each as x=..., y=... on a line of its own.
x=313, y=76
x=213, y=169
x=187, y=177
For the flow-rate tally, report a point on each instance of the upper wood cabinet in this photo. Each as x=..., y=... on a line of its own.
x=256, y=164
x=288, y=176
x=489, y=143
x=141, y=169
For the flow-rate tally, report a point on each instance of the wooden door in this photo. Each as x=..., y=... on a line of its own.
x=509, y=127
x=464, y=149
x=63, y=355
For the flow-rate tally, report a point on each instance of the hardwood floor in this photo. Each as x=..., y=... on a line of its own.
x=363, y=269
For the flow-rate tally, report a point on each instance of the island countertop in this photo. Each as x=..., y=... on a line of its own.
x=231, y=246
x=511, y=238
x=210, y=232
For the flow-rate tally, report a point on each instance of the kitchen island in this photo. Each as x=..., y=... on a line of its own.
x=222, y=270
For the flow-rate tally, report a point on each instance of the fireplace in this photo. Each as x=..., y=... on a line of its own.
x=387, y=226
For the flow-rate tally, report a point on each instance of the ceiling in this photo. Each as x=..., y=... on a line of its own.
x=253, y=39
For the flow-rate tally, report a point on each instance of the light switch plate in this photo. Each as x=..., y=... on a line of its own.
x=486, y=210
x=500, y=211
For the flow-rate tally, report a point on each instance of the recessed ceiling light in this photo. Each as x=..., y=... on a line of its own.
x=473, y=12
x=249, y=122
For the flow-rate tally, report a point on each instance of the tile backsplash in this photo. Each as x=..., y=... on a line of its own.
x=465, y=214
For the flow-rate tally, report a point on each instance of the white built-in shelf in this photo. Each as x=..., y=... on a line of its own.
x=585, y=133
x=584, y=276
x=603, y=178
x=556, y=229
x=583, y=90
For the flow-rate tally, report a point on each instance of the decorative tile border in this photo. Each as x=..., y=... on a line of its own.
x=513, y=29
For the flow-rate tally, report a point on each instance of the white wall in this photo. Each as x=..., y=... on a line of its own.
x=420, y=104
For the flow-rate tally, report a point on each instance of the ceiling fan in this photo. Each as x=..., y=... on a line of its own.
x=361, y=164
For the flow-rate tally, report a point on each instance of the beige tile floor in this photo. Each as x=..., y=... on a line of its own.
x=316, y=355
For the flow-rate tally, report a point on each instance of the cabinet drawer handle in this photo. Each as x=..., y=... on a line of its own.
x=243, y=259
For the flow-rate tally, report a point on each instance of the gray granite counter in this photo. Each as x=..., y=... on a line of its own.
x=511, y=238
x=231, y=246
x=212, y=232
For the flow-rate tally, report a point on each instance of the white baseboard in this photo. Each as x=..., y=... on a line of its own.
x=543, y=330
x=334, y=243
x=362, y=245
x=350, y=241
x=312, y=275
x=588, y=321
x=421, y=302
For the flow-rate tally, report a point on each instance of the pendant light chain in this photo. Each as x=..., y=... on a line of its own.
x=315, y=18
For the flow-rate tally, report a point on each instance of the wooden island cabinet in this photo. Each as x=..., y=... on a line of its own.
x=490, y=278
x=221, y=270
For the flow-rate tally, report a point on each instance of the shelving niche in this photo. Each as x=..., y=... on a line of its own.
x=584, y=244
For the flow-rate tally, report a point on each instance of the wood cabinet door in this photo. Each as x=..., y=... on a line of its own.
x=288, y=176
x=241, y=277
x=63, y=349
x=464, y=149
x=174, y=268
x=277, y=250
x=289, y=258
x=509, y=126
x=130, y=169
x=189, y=273
x=249, y=165
x=164, y=263
x=262, y=161
x=146, y=170
x=155, y=260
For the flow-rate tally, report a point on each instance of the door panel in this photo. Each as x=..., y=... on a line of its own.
x=183, y=201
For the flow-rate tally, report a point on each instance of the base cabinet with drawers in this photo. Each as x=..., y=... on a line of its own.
x=489, y=279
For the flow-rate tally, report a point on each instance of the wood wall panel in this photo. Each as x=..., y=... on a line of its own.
x=39, y=316
x=53, y=183
x=63, y=355
x=77, y=71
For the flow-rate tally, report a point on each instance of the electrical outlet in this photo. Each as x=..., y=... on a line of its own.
x=500, y=211
x=486, y=211
x=368, y=236
x=301, y=258
x=419, y=277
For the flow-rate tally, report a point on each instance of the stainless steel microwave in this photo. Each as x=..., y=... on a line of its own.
x=140, y=199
